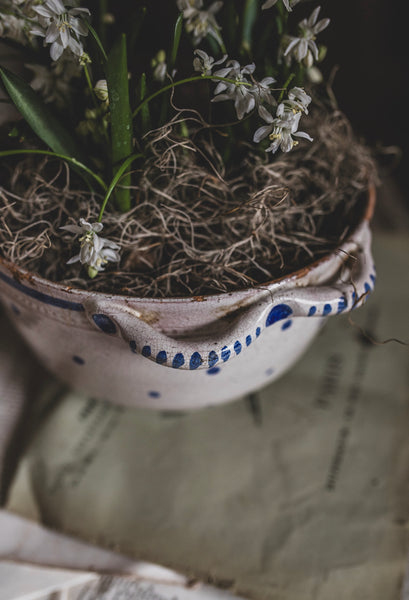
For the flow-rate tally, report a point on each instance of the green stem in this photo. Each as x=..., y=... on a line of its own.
x=94, y=100
x=120, y=113
x=115, y=180
x=282, y=17
x=181, y=82
x=90, y=86
x=285, y=86
x=249, y=17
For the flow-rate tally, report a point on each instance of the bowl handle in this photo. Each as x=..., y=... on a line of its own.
x=352, y=285
x=354, y=282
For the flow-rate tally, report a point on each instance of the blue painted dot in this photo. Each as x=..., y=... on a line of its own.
x=269, y=372
x=104, y=323
x=213, y=371
x=368, y=288
x=279, y=312
x=327, y=309
x=237, y=347
x=146, y=351
x=342, y=304
x=78, y=360
x=248, y=340
x=312, y=311
x=178, y=360
x=372, y=278
x=213, y=358
x=195, y=361
x=286, y=325
x=154, y=394
x=15, y=310
x=258, y=331
x=161, y=357
x=225, y=353
x=132, y=345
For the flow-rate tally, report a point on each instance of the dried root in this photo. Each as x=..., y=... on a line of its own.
x=195, y=228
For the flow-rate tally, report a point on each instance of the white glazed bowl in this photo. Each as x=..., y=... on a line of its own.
x=183, y=353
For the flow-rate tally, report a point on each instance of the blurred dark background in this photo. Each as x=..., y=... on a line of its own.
x=368, y=40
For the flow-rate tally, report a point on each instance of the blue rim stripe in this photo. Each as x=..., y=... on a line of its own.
x=45, y=298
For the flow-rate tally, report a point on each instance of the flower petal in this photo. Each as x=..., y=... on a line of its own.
x=73, y=260
x=72, y=229
x=321, y=25
x=290, y=46
x=56, y=50
x=261, y=133
x=52, y=34
x=264, y=114
x=304, y=135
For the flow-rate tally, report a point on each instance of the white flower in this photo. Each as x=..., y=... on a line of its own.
x=314, y=75
x=298, y=100
x=95, y=251
x=15, y=16
x=205, y=63
x=284, y=126
x=304, y=48
x=284, y=129
x=159, y=66
x=262, y=92
x=160, y=71
x=12, y=27
x=246, y=94
x=200, y=23
x=61, y=27
x=287, y=3
x=54, y=83
x=240, y=91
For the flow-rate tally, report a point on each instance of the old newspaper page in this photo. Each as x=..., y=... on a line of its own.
x=298, y=491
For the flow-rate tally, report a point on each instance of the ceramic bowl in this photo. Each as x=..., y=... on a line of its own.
x=184, y=353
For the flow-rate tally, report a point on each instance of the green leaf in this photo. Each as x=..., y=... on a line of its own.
x=176, y=40
x=97, y=40
x=145, y=112
x=250, y=14
x=213, y=45
x=41, y=120
x=121, y=119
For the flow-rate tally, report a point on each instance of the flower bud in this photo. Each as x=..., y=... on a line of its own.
x=101, y=90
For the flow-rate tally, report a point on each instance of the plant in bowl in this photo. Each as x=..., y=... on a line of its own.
x=178, y=190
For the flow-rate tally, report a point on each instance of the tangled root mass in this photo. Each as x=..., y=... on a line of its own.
x=195, y=228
